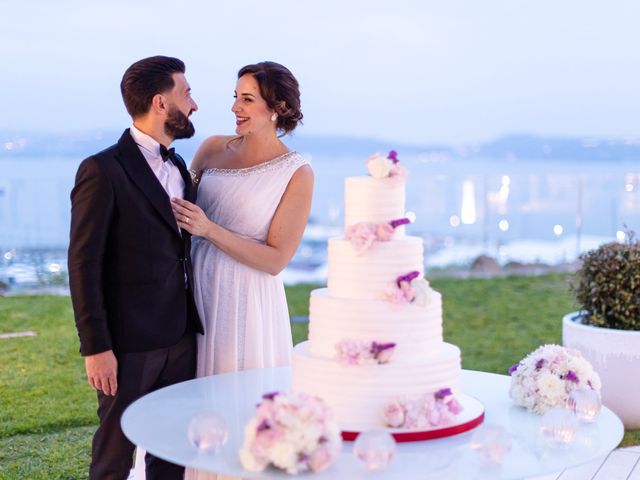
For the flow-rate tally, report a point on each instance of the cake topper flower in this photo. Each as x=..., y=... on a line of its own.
x=387, y=168
x=351, y=352
x=409, y=288
x=364, y=235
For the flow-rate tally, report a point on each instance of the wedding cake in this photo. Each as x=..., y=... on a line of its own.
x=375, y=352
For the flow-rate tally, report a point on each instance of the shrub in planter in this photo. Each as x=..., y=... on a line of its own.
x=607, y=286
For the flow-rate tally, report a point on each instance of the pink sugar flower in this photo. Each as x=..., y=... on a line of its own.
x=361, y=235
x=384, y=232
x=320, y=459
x=394, y=415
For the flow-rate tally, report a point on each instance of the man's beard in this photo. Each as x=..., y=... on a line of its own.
x=177, y=125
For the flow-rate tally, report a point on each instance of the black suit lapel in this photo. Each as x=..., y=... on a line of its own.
x=138, y=170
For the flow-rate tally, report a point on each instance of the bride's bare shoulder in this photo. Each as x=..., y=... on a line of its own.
x=211, y=152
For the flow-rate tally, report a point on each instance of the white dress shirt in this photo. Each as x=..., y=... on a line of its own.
x=166, y=172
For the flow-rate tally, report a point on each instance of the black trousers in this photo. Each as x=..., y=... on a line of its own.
x=138, y=374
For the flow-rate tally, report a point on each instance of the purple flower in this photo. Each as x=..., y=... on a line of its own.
x=393, y=156
x=382, y=352
x=398, y=222
x=270, y=395
x=442, y=393
x=539, y=364
x=264, y=425
x=572, y=377
x=408, y=277
x=513, y=368
x=590, y=385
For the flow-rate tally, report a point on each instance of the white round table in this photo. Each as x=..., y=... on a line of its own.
x=158, y=422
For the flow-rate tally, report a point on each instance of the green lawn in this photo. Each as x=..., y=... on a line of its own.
x=47, y=410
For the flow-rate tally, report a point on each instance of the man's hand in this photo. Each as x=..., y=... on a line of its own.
x=102, y=372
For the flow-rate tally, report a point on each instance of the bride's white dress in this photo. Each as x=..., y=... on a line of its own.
x=244, y=310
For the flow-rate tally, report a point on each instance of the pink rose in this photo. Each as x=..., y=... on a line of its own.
x=394, y=296
x=362, y=236
x=454, y=406
x=320, y=459
x=398, y=174
x=394, y=415
x=384, y=232
x=385, y=355
x=407, y=290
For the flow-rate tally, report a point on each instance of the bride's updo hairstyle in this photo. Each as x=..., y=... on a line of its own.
x=280, y=90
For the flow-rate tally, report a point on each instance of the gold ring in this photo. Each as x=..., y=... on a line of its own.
x=186, y=219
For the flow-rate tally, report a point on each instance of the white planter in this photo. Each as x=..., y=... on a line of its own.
x=615, y=355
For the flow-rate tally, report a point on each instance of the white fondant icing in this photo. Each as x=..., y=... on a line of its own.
x=416, y=331
x=368, y=275
x=357, y=395
x=369, y=200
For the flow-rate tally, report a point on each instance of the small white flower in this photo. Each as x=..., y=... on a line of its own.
x=379, y=167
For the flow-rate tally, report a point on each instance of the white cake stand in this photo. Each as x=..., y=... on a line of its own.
x=158, y=422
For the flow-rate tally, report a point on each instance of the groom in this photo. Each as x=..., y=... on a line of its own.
x=129, y=265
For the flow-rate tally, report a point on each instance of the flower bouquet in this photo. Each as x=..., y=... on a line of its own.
x=545, y=378
x=292, y=431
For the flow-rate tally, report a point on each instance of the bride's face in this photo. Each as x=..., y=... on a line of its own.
x=251, y=110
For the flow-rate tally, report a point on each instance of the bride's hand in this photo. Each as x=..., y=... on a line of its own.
x=190, y=217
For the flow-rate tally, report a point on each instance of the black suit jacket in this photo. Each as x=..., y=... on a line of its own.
x=127, y=257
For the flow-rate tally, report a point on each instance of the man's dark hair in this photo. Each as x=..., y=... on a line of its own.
x=146, y=78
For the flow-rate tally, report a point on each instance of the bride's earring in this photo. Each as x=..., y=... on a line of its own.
x=274, y=117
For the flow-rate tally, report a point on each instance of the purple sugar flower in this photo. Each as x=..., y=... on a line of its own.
x=572, y=377
x=442, y=393
x=270, y=395
x=539, y=364
x=398, y=222
x=408, y=277
x=513, y=368
x=382, y=352
x=264, y=425
x=393, y=156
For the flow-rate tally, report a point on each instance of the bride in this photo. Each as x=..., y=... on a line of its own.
x=254, y=199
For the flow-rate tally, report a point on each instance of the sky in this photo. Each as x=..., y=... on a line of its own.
x=421, y=72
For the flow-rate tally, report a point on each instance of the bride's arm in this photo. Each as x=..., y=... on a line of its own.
x=284, y=234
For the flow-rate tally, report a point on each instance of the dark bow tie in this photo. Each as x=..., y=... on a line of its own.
x=168, y=154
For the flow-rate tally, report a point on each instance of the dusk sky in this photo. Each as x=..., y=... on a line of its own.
x=420, y=72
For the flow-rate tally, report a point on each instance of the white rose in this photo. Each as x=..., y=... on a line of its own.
x=379, y=167
x=284, y=455
x=250, y=462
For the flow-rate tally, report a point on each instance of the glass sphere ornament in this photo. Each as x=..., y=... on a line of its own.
x=558, y=427
x=585, y=403
x=208, y=432
x=492, y=442
x=375, y=448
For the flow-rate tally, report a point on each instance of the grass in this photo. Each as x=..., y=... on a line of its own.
x=47, y=410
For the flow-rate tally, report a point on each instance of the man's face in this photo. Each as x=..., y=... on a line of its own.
x=180, y=106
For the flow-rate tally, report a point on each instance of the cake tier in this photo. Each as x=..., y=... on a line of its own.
x=367, y=275
x=416, y=331
x=357, y=395
x=367, y=199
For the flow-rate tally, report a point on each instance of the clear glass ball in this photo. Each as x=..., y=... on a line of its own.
x=558, y=427
x=492, y=442
x=208, y=432
x=375, y=448
x=585, y=403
